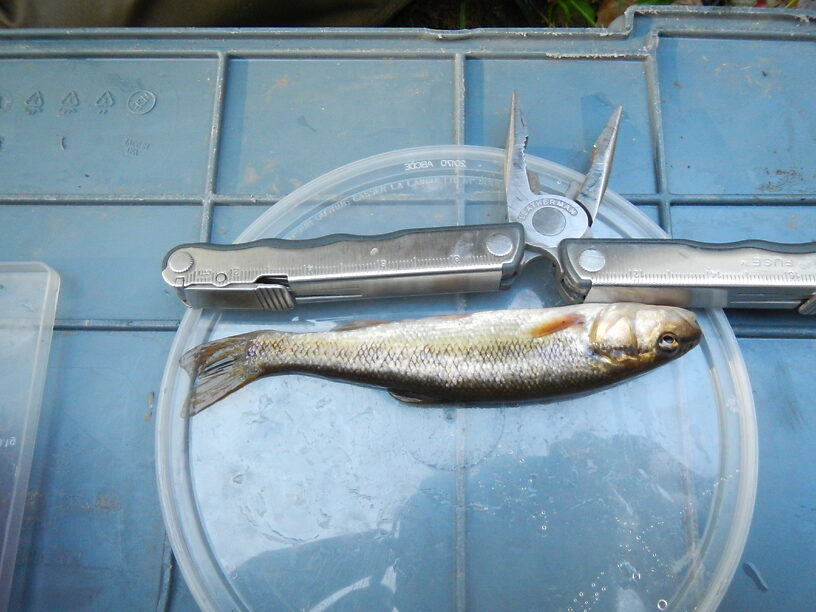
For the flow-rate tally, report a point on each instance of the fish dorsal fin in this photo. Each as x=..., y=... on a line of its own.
x=556, y=324
x=409, y=397
x=357, y=324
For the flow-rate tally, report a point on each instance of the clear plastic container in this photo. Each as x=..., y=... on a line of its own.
x=28, y=303
x=299, y=493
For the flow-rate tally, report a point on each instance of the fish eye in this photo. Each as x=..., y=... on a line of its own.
x=668, y=342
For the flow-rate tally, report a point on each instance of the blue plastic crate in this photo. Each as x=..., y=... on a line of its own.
x=116, y=145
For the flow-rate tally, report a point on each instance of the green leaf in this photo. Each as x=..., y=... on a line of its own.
x=583, y=7
x=565, y=8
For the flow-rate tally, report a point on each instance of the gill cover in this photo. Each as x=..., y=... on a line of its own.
x=629, y=335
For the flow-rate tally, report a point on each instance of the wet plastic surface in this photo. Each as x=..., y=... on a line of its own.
x=721, y=129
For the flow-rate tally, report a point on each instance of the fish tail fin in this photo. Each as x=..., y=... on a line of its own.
x=217, y=369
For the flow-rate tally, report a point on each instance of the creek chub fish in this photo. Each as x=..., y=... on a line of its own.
x=477, y=357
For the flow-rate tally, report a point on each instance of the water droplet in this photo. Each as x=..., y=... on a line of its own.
x=592, y=585
x=580, y=593
x=662, y=604
x=603, y=588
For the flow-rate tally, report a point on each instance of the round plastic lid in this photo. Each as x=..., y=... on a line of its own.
x=300, y=493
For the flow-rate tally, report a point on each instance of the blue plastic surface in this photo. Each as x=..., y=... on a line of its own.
x=782, y=541
x=92, y=535
x=727, y=224
x=717, y=142
x=568, y=102
x=106, y=126
x=751, y=79
x=295, y=101
x=106, y=254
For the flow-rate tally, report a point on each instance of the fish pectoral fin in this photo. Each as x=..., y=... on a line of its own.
x=357, y=324
x=409, y=397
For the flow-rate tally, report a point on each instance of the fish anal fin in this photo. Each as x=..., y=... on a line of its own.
x=556, y=324
x=409, y=397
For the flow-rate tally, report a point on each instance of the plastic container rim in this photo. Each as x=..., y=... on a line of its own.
x=189, y=542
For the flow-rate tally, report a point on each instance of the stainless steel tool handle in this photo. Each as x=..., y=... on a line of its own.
x=276, y=274
x=749, y=274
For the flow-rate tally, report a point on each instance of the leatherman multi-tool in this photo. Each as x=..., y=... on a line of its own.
x=278, y=274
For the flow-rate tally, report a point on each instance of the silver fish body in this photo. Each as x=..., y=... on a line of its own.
x=477, y=357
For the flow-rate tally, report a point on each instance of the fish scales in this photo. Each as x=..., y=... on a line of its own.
x=483, y=356
x=448, y=355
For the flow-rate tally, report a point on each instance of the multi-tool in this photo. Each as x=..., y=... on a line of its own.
x=278, y=274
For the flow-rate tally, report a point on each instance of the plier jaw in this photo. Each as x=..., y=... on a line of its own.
x=548, y=219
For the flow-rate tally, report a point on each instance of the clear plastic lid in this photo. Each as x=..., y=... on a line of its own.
x=300, y=493
x=28, y=303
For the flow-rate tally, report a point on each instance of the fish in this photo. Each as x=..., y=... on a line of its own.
x=489, y=356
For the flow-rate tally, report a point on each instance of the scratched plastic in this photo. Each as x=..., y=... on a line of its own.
x=28, y=301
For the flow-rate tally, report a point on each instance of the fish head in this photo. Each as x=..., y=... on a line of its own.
x=640, y=335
